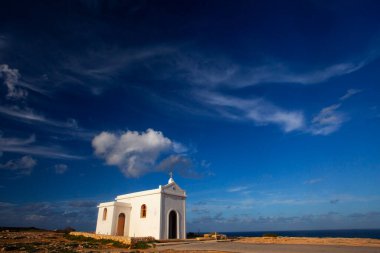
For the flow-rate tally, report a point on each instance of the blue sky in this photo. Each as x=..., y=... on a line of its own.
x=267, y=111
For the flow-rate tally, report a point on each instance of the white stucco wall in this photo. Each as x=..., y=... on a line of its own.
x=126, y=210
x=150, y=225
x=176, y=203
x=104, y=227
x=108, y=226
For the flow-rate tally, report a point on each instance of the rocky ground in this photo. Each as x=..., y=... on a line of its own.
x=36, y=240
x=49, y=241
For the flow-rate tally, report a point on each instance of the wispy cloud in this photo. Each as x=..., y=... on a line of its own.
x=238, y=188
x=27, y=115
x=60, y=168
x=184, y=64
x=22, y=166
x=80, y=214
x=105, y=65
x=3, y=41
x=241, y=212
x=11, y=78
x=257, y=201
x=16, y=141
x=212, y=70
x=17, y=110
x=52, y=152
x=24, y=146
x=313, y=181
x=349, y=94
x=239, y=222
x=330, y=119
x=327, y=121
x=257, y=110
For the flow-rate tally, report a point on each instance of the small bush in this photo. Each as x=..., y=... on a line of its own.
x=66, y=230
x=192, y=235
x=140, y=245
x=28, y=247
x=270, y=235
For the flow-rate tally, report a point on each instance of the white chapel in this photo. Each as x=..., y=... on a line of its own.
x=160, y=213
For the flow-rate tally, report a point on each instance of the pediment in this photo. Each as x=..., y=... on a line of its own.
x=174, y=189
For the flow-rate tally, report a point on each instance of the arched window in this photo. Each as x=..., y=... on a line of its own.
x=143, y=211
x=105, y=214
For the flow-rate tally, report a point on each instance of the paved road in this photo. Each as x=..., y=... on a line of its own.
x=269, y=248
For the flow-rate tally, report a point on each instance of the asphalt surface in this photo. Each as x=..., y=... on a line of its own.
x=269, y=248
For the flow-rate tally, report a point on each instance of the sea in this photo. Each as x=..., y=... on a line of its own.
x=346, y=233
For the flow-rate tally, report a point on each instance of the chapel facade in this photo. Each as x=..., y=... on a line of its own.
x=160, y=213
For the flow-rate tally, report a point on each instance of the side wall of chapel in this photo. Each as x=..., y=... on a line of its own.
x=150, y=224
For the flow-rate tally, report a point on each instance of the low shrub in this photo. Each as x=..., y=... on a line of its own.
x=140, y=245
x=192, y=235
x=270, y=235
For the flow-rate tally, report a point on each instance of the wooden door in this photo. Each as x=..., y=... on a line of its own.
x=120, y=224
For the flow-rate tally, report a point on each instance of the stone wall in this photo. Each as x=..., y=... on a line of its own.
x=122, y=239
x=142, y=239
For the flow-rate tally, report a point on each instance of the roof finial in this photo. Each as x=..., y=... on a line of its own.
x=171, y=180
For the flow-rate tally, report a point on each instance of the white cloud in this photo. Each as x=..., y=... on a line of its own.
x=23, y=166
x=11, y=79
x=257, y=110
x=60, y=168
x=349, y=94
x=133, y=152
x=327, y=121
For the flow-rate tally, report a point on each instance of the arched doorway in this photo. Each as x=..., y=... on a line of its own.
x=172, y=225
x=120, y=225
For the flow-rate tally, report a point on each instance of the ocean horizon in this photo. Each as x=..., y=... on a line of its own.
x=346, y=233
